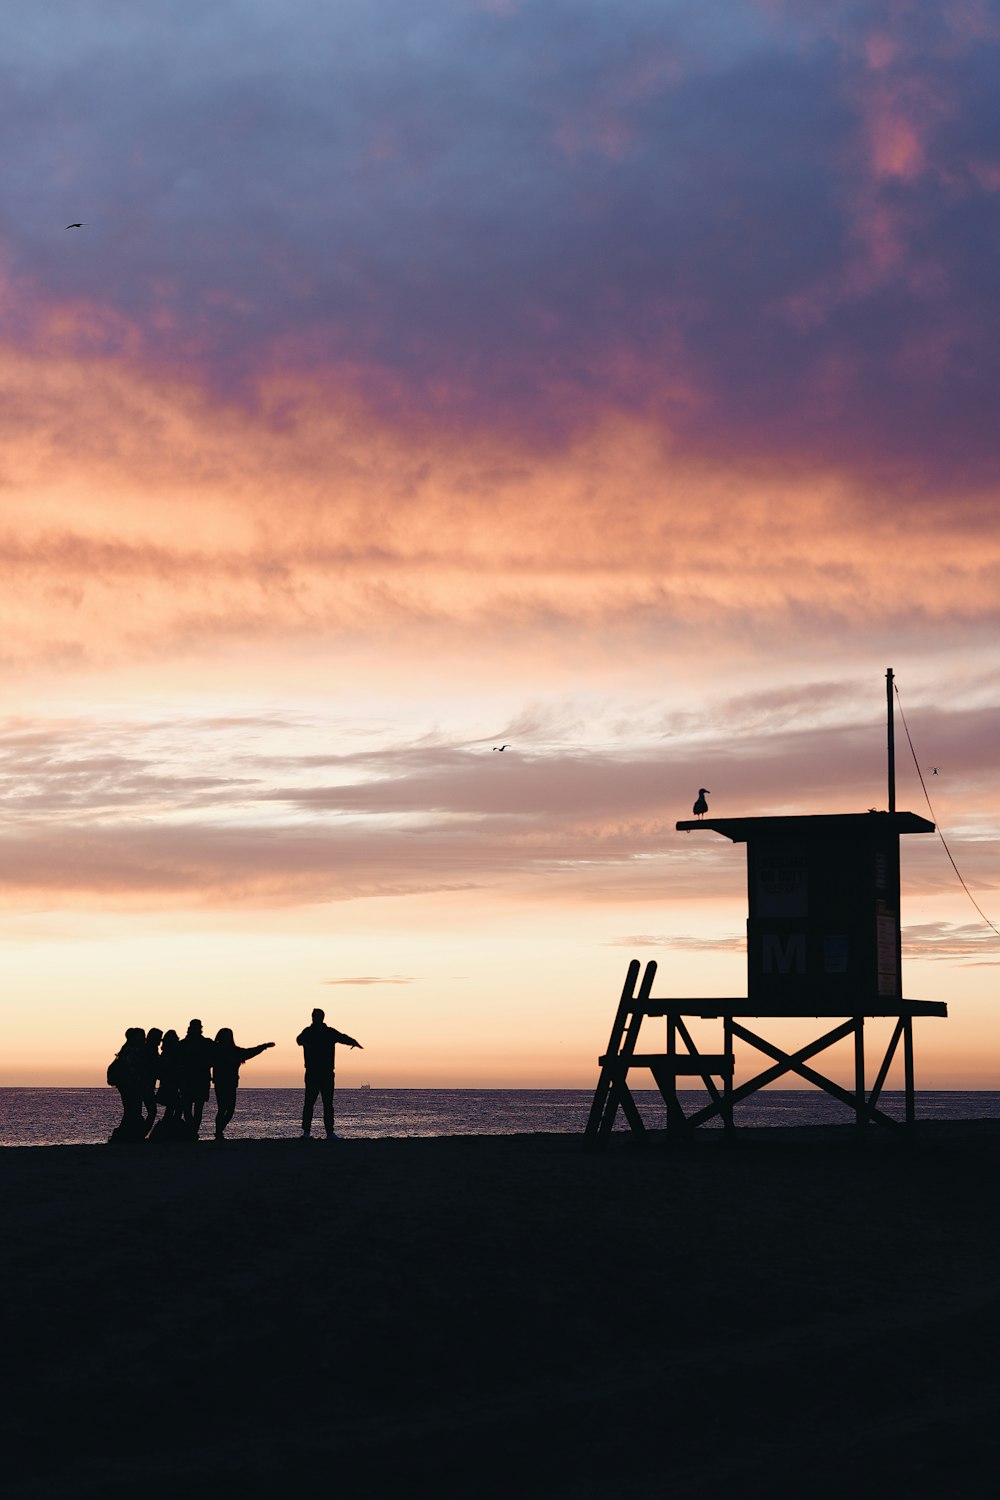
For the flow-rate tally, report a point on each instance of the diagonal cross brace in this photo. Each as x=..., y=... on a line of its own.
x=890, y=1053
x=786, y=1064
x=795, y=1063
x=706, y=1077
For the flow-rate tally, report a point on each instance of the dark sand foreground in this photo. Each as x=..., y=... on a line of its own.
x=799, y=1314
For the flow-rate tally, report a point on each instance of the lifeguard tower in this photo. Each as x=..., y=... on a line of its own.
x=823, y=942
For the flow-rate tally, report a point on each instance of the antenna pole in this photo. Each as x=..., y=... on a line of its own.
x=892, y=739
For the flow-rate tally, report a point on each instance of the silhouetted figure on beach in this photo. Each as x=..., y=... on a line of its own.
x=151, y=1074
x=319, y=1046
x=197, y=1052
x=169, y=1127
x=127, y=1074
x=226, y=1065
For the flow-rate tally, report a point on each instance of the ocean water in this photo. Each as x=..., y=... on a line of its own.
x=70, y=1117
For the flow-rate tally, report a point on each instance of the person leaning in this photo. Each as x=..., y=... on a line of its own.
x=227, y=1060
x=319, y=1047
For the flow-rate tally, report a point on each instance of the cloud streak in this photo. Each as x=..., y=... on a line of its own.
x=237, y=811
x=969, y=942
x=366, y=979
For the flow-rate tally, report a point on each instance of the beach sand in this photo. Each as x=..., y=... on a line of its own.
x=800, y=1313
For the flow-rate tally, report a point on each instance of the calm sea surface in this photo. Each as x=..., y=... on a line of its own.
x=71, y=1117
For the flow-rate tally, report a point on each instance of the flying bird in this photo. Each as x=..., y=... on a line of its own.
x=76, y=226
x=934, y=770
x=701, y=806
x=500, y=747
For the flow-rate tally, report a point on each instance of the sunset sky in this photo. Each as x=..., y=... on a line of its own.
x=619, y=382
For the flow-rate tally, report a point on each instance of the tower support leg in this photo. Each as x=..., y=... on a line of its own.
x=860, y=1106
x=911, y=1102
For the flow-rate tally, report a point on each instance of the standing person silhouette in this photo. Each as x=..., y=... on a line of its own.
x=151, y=1070
x=226, y=1065
x=169, y=1127
x=319, y=1045
x=195, y=1055
x=127, y=1074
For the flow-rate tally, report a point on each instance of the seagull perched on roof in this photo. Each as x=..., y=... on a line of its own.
x=701, y=806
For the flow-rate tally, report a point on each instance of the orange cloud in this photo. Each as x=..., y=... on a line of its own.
x=139, y=521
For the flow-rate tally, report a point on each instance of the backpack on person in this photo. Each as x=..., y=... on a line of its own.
x=120, y=1071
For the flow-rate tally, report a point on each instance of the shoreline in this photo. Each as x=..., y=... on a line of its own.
x=928, y=1131
x=63, y=1117
x=450, y=1088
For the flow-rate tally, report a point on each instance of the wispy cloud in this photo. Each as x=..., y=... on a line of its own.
x=375, y=979
x=638, y=940
x=680, y=943
x=264, y=811
x=970, y=942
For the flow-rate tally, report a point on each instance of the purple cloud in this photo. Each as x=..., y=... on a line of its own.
x=773, y=232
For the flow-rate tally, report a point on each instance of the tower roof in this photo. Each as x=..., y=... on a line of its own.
x=850, y=826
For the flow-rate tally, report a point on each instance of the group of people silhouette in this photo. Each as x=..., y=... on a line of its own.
x=158, y=1070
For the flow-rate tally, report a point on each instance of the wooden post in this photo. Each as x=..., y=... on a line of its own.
x=672, y=1103
x=892, y=740
x=859, y=1072
x=727, y=1082
x=911, y=1103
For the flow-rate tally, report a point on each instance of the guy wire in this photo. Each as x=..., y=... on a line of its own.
x=937, y=825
